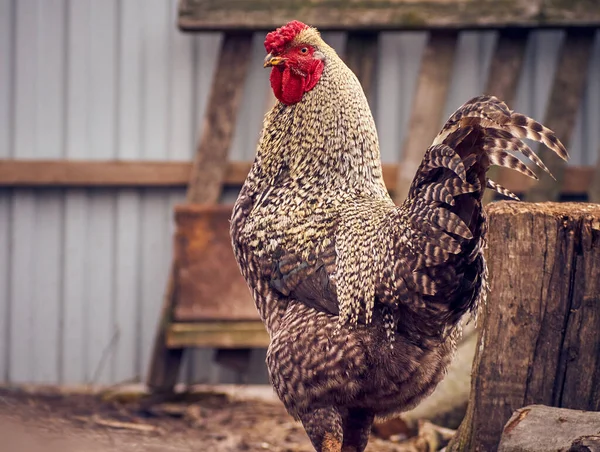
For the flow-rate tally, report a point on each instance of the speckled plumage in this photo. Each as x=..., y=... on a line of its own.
x=361, y=298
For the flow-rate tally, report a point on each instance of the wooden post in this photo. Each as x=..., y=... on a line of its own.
x=565, y=99
x=361, y=57
x=505, y=70
x=428, y=106
x=210, y=160
x=538, y=341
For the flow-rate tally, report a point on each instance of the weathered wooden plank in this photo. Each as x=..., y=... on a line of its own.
x=398, y=68
x=505, y=67
x=72, y=173
x=217, y=334
x=196, y=15
x=538, y=342
x=428, y=106
x=505, y=70
x=250, y=116
x=103, y=173
x=361, y=57
x=210, y=161
x=565, y=99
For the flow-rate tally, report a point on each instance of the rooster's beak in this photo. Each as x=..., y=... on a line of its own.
x=271, y=60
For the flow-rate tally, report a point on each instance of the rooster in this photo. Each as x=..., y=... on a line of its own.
x=362, y=298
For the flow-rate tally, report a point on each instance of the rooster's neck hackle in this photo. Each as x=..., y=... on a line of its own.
x=337, y=148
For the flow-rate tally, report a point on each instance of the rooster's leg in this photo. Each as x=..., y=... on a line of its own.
x=324, y=428
x=356, y=430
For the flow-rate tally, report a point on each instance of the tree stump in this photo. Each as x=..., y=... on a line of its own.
x=539, y=340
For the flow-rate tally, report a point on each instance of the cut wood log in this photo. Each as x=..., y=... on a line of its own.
x=539, y=341
x=539, y=428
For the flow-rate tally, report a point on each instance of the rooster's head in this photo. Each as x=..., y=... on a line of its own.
x=296, y=59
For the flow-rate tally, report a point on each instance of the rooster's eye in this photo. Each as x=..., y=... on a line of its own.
x=304, y=50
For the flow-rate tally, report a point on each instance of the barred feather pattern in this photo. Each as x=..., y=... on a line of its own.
x=362, y=298
x=500, y=189
x=447, y=233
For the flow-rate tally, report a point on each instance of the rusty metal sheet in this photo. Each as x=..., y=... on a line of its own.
x=209, y=285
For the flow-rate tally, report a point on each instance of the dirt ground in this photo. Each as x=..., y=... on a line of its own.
x=51, y=421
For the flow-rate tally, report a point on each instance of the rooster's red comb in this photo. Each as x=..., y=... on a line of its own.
x=276, y=41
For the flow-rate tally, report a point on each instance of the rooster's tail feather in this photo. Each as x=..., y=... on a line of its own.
x=446, y=223
x=503, y=133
